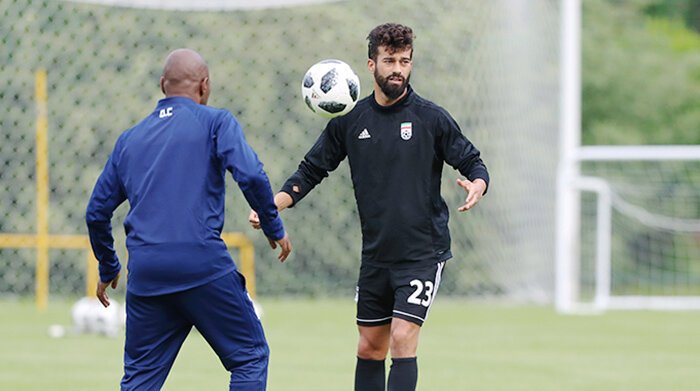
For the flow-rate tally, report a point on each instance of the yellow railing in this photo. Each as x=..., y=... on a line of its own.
x=81, y=242
x=42, y=241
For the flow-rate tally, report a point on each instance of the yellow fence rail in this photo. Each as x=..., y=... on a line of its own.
x=82, y=242
x=42, y=241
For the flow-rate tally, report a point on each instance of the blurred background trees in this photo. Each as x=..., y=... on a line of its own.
x=641, y=72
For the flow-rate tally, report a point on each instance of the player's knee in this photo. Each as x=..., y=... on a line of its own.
x=369, y=349
x=251, y=361
x=249, y=375
x=404, y=341
x=400, y=335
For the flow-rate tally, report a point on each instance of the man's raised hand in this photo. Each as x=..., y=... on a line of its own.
x=475, y=190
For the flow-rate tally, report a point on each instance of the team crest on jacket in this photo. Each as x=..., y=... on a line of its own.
x=406, y=130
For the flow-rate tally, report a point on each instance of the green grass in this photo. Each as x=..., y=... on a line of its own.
x=464, y=346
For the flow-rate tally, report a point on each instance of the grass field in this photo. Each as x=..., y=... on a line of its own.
x=464, y=346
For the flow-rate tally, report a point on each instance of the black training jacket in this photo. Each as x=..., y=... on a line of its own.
x=396, y=155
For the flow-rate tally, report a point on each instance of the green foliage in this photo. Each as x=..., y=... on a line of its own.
x=687, y=11
x=681, y=39
x=640, y=76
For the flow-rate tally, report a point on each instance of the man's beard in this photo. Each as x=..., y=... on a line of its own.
x=392, y=91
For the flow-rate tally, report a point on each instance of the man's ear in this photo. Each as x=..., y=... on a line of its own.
x=204, y=86
x=370, y=65
x=162, y=85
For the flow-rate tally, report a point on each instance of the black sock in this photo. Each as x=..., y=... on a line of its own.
x=369, y=375
x=403, y=374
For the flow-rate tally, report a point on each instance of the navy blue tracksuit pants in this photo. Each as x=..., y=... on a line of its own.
x=156, y=327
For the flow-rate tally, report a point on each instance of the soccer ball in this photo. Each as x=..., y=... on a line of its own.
x=330, y=88
x=90, y=317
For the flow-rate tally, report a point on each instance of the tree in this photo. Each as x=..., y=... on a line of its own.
x=641, y=75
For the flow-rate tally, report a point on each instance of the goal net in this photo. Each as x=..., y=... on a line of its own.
x=494, y=65
x=639, y=230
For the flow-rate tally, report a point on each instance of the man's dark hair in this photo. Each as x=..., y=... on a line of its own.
x=393, y=36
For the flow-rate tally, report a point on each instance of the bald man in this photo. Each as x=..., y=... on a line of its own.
x=171, y=168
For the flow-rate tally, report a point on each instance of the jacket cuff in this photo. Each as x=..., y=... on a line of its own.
x=108, y=272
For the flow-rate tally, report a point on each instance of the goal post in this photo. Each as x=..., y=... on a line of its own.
x=613, y=248
x=567, y=204
x=636, y=242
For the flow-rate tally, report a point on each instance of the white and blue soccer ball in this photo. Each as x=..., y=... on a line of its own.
x=330, y=88
x=90, y=317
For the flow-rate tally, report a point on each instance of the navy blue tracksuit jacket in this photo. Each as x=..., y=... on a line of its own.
x=171, y=168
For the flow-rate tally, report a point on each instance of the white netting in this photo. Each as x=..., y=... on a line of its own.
x=492, y=64
x=655, y=244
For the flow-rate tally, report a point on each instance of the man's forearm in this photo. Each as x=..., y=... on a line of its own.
x=283, y=201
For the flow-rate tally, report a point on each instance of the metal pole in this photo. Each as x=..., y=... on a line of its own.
x=568, y=204
x=42, y=192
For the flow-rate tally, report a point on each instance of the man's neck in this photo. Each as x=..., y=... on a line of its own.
x=184, y=95
x=384, y=100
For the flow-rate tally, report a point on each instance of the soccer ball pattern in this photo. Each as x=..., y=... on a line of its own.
x=330, y=88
